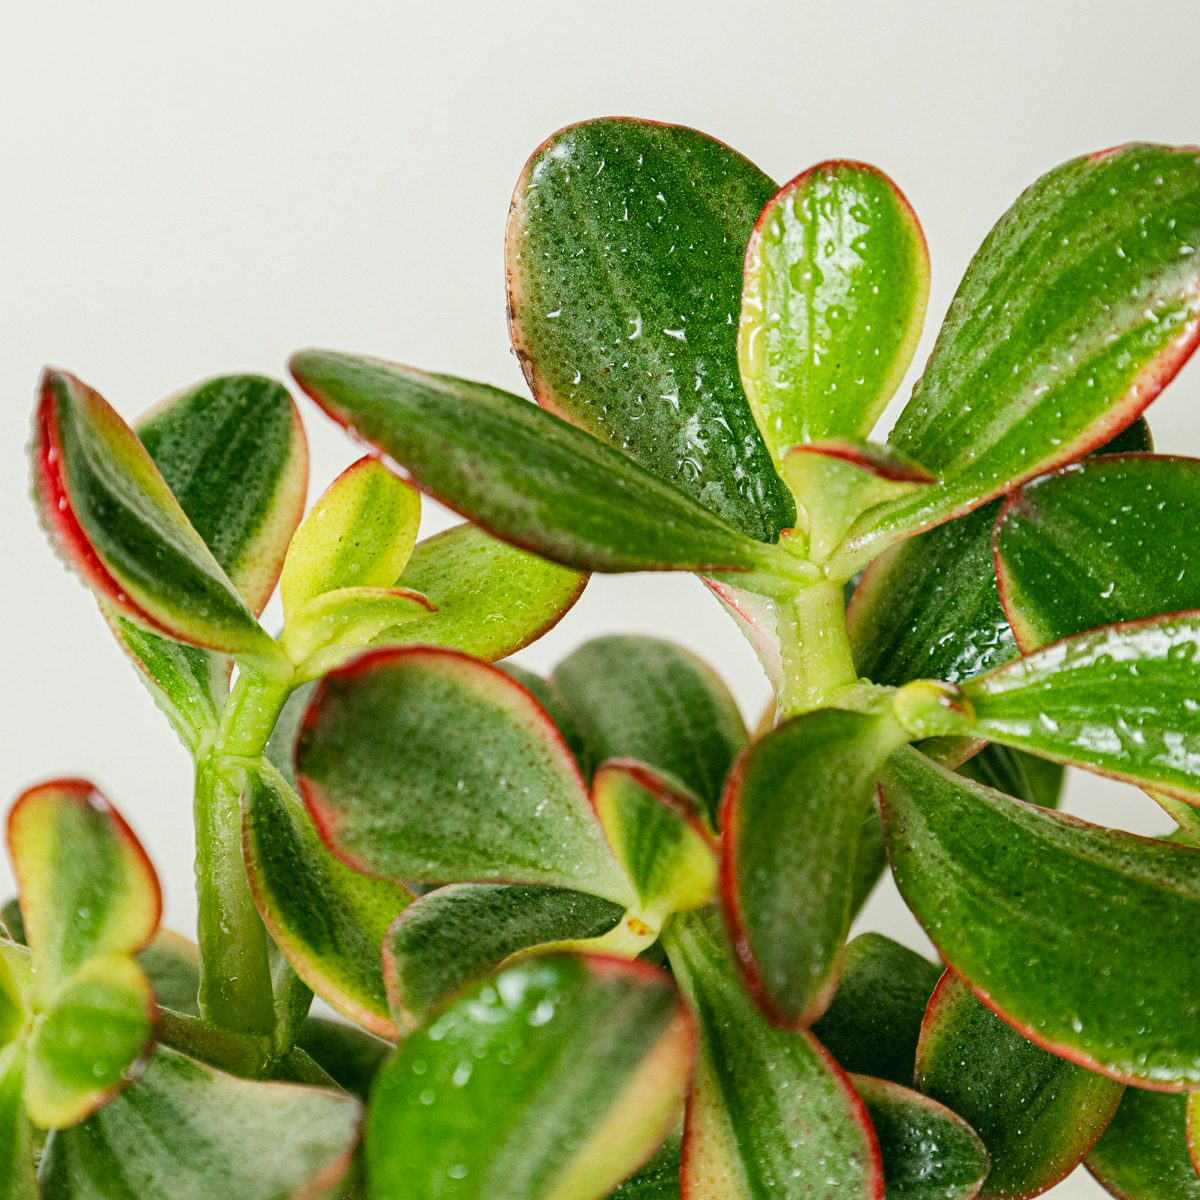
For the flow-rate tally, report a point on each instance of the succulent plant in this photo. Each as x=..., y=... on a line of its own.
x=589, y=936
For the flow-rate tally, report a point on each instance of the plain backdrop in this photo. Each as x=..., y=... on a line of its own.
x=193, y=189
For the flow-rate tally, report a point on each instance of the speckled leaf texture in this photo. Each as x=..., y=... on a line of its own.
x=1143, y=1154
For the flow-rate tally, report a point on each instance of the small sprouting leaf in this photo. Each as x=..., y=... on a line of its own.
x=359, y=534
x=874, y=1021
x=836, y=279
x=531, y=478
x=625, y=248
x=455, y=934
x=1106, y=540
x=328, y=920
x=648, y=699
x=1095, y=962
x=1038, y=1114
x=225, y=1137
x=1144, y=1150
x=17, y=1179
x=425, y=765
x=792, y=817
x=929, y=1152
x=491, y=598
x=1081, y=305
x=87, y=888
x=770, y=1116
x=553, y=1079
x=89, y=1041
x=656, y=829
x=115, y=520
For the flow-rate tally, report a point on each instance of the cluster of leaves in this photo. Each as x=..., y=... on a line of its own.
x=604, y=929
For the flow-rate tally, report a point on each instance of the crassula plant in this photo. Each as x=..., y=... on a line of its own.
x=589, y=934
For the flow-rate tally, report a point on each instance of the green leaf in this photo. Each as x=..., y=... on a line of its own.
x=645, y=698
x=1022, y=776
x=1144, y=1150
x=1038, y=1115
x=874, y=1021
x=360, y=533
x=1102, y=541
x=172, y=964
x=553, y=1079
x=455, y=934
x=425, y=765
x=328, y=920
x=625, y=248
x=1095, y=960
x=492, y=599
x=17, y=1180
x=114, y=519
x=87, y=888
x=1119, y=700
x=1080, y=306
x=658, y=1179
x=12, y=1005
x=929, y=1153
x=770, y=1117
x=529, y=477
x=89, y=1043
x=836, y=279
x=224, y=1137
x=349, y=1055
x=233, y=452
x=656, y=830
x=792, y=818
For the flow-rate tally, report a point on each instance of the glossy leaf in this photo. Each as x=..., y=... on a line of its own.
x=648, y=699
x=1095, y=961
x=770, y=1116
x=350, y=1056
x=1144, y=1150
x=658, y=1179
x=836, y=279
x=328, y=920
x=624, y=253
x=529, y=477
x=1022, y=776
x=1107, y=540
x=17, y=1181
x=792, y=817
x=1038, y=1114
x=87, y=888
x=225, y=1137
x=425, y=765
x=554, y=1078
x=874, y=1021
x=491, y=598
x=114, y=519
x=1118, y=700
x=360, y=533
x=656, y=830
x=455, y=934
x=1080, y=306
x=929, y=1153
x=89, y=1042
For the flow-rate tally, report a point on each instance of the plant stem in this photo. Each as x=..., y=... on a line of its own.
x=815, y=648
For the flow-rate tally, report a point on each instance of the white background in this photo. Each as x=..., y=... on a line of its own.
x=193, y=189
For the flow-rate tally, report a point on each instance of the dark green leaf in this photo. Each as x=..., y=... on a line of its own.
x=658, y=1179
x=553, y=1079
x=1084, y=939
x=1022, y=776
x=625, y=248
x=172, y=964
x=350, y=1056
x=1144, y=1151
x=1038, y=1115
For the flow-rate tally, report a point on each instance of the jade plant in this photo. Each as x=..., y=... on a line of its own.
x=585, y=934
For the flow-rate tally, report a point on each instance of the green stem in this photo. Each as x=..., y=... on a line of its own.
x=815, y=647
x=239, y=1054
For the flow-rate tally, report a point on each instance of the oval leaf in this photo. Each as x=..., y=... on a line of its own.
x=792, y=817
x=1081, y=305
x=836, y=279
x=1038, y=1115
x=554, y=1078
x=328, y=920
x=1144, y=1151
x=1095, y=962
x=113, y=517
x=770, y=1116
x=624, y=251
x=426, y=765
x=528, y=476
